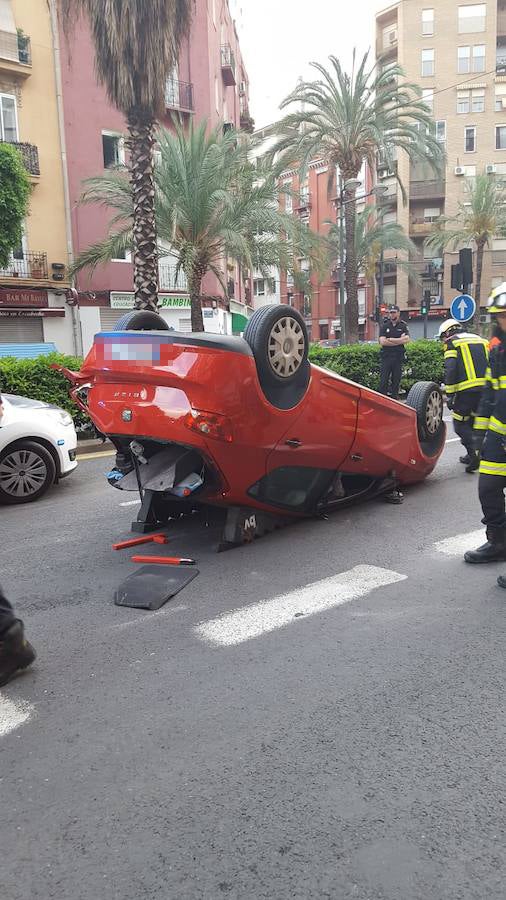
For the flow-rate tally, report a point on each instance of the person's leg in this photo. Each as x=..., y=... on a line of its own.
x=491, y=493
x=7, y=617
x=15, y=651
x=384, y=375
x=463, y=419
x=396, y=377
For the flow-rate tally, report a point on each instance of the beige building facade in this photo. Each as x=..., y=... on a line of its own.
x=33, y=308
x=456, y=52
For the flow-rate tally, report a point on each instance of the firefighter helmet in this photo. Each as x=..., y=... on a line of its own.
x=447, y=328
x=496, y=303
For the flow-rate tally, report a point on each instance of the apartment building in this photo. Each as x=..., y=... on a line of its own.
x=33, y=310
x=456, y=52
x=210, y=81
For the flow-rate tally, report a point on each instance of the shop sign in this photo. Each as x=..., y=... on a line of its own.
x=120, y=300
x=20, y=297
x=30, y=313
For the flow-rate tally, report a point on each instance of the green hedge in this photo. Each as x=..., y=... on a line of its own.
x=34, y=378
x=361, y=362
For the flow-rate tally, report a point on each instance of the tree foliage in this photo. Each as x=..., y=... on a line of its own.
x=14, y=199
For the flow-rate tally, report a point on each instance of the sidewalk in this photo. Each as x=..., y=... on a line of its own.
x=93, y=445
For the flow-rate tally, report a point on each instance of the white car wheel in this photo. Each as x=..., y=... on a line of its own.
x=27, y=470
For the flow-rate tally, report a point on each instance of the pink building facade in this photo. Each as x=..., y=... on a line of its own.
x=210, y=82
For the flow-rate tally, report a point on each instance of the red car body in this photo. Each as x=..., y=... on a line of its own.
x=203, y=392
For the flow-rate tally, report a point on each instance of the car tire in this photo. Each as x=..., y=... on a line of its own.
x=426, y=398
x=278, y=338
x=141, y=320
x=40, y=472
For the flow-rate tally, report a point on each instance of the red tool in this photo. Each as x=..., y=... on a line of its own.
x=164, y=560
x=146, y=539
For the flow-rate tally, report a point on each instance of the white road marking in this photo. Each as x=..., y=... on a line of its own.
x=457, y=545
x=12, y=714
x=452, y=440
x=96, y=455
x=130, y=503
x=267, y=615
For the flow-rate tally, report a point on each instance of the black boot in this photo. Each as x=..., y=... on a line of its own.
x=465, y=460
x=493, y=551
x=474, y=461
x=15, y=652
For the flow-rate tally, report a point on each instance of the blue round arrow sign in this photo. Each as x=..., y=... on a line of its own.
x=463, y=308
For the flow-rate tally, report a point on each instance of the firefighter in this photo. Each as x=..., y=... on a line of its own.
x=490, y=438
x=466, y=360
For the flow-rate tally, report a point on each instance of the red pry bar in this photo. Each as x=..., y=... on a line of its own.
x=146, y=539
x=164, y=560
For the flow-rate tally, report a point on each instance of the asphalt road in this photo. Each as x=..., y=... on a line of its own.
x=345, y=751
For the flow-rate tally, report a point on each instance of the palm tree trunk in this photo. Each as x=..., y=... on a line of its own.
x=475, y=321
x=140, y=144
x=351, y=308
x=194, y=284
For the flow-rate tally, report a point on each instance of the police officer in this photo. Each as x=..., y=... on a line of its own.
x=490, y=436
x=393, y=337
x=466, y=360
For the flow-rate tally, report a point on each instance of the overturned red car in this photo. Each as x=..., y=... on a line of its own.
x=247, y=424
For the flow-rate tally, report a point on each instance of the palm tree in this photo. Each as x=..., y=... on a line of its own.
x=372, y=236
x=136, y=46
x=480, y=218
x=348, y=119
x=210, y=203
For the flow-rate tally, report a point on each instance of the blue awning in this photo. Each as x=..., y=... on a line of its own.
x=26, y=351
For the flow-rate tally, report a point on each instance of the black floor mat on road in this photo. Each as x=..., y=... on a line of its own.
x=151, y=586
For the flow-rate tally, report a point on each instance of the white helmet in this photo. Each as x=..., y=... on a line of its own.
x=447, y=328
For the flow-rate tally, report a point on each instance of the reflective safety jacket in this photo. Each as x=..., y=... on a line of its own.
x=490, y=421
x=466, y=361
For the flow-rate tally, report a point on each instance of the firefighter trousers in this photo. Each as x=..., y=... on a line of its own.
x=463, y=414
x=491, y=491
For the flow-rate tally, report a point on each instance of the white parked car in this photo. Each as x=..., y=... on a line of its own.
x=38, y=445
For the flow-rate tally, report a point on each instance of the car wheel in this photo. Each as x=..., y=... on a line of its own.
x=278, y=338
x=141, y=320
x=426, y=399
x=27, y=471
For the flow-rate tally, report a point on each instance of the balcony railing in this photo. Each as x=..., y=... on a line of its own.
x=421, y=226
x=179, y=95
x=228, y=64
x=426, y=189
x=500, y=65
x=26, y=265
x=171, y=280
x=15, y=48
x=428, y=268
x=499, y=257
x=30, y=155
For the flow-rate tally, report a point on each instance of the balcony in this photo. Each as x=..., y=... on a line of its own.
x=179, y=95
x=169, y=279
x=303, y=204
x=15, y=53
x=429, y=268
x=30, y=155
x=421, y=226
x=228, y=65
x=27, y=266
x=500, y=63
x=425, y=190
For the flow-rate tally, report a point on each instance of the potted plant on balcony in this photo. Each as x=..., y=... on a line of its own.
x=23, y=47
x=37, y=267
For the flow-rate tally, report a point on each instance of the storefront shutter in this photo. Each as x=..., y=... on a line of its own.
x=21, y=330
x=109, y=317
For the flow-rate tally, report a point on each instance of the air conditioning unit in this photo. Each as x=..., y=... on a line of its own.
x=392, y=37
x=460, y=170
x=491, y=169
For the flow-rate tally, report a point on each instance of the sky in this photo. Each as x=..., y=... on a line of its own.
x=279, y=38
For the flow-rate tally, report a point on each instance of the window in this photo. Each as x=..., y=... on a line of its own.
x=463, y=60
x=8, y=118
x=324, y=332
x=428, y=98
x=259, y=287
x=288, y=197
x=427, y=21
x=500, y=137
x=390, y=216
x=500, y=97
x=472, y=18
x=471, y=101
x=431, y=213
x=125, y=257
x=113, y=150
x=470, y=139
x=427, y=63
x=441, y=131
x=479, y=58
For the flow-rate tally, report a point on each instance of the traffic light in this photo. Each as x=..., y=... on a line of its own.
x=425, y=304
x=466, y=264
x=457, y=277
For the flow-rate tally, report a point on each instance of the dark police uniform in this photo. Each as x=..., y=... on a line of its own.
x=466, y=360
x=392, y=358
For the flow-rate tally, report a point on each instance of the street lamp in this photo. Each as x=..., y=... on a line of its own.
x=350, y=185
x=379, y=191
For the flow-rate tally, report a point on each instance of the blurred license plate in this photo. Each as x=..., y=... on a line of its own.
x=135, y=351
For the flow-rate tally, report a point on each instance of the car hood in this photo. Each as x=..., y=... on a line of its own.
x=28, y=402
